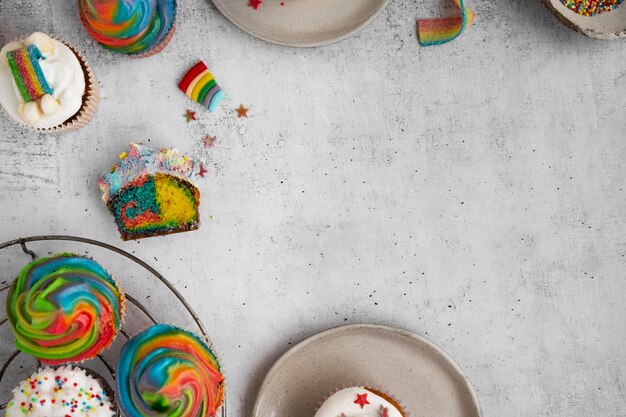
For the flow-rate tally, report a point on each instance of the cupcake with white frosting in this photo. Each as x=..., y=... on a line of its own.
x=46, y=84
x=360, y=402
x=64, y=391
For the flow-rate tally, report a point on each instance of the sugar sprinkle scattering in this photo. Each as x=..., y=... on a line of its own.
x=591, y=7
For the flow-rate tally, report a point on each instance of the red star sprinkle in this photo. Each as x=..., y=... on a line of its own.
x=190, y=115
x=202, y=170
x=209, y=141
x=384, y=412
x=361, y=399
x=255, y=4
x=242, y=111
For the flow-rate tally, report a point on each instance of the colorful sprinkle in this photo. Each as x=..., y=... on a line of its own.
x=361, y=400
x=209, y=141
x=94, y=406
x=190, y=115
x=242, y=111
x=255, y=4
x=591, y=7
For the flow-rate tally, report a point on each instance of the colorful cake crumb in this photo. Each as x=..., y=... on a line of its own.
x=61, y=392
x=150, y=192
x=200, y=86
x=65, y=308
x=166, y=371
x=359, y=402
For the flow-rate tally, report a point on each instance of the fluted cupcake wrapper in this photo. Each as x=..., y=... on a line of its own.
x=393, y=400
x=91, y=98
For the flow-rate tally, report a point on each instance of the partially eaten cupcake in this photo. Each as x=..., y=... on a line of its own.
x=150, y=192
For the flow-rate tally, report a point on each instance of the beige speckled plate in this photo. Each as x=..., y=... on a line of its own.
x=302, y=23
x=426, y=381
x=607, y=25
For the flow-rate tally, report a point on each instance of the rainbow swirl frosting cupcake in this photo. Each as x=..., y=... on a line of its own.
x=134, y=27
x=150, y=193
x=65, y=308
x=167, y=371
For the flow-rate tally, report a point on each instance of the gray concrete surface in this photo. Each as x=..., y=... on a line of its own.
x=472, y=193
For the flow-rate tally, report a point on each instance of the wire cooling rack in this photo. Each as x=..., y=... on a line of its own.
x=140, y=314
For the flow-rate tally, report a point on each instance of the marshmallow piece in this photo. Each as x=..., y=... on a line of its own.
x=49, y=105
x=41, y=41
x=29, y=112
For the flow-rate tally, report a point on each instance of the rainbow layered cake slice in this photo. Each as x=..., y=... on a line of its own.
x=150, y=192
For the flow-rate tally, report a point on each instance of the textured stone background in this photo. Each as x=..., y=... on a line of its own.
x=472, y=193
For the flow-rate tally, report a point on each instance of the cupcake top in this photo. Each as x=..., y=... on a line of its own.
x=60, y=392
x=128, y=26
x=141, y=160
x=357, y=402
x=167, y=371
x=65, y=308
x=42, y=82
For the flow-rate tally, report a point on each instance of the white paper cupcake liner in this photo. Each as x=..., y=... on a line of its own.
x=91, y=98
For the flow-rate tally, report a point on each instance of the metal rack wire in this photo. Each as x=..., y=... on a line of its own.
x=107, y=364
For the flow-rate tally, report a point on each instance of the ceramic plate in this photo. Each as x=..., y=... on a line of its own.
x=607, y=25
x=302, y=23
x=419, y=374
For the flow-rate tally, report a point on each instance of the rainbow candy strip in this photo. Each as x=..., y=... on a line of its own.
x=200, y=85
x=27, y=73
x=443, y=30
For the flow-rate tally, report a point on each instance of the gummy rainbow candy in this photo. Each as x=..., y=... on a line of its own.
x=66, y=308
x=27, y=73
x=443, y=30
x=166, y=371
x=200, y=85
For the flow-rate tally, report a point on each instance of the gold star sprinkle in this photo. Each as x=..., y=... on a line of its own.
x=190, y=115
x=242, y=111
x=209, y=141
